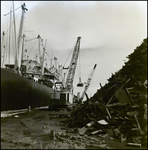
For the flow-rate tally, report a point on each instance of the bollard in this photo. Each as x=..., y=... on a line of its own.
x=29, y=108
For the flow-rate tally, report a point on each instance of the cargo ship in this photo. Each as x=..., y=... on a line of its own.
x=27, y=82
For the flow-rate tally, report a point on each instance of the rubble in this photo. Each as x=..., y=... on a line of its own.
x=134, y=144
x=118, y=108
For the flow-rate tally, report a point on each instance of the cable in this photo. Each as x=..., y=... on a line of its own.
x=32, y=47
x=68, y=56
x=30, y=39
x=12, y=23
x=48, y=55
x=11, y=11
x=79, y=67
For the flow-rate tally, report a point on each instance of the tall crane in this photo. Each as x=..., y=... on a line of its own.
x=72, y=67
x=63, y=95
x=87, y=83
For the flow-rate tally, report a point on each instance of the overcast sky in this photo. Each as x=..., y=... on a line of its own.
x=110, y=31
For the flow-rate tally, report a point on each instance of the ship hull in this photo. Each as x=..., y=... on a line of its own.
x=18, y=92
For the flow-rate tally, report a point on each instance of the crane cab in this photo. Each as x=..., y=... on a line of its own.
x=60, y=100
x=59, y=97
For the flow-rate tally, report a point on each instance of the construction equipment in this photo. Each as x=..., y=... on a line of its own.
x=87, y=83
x=62, y=95
x=72, y=68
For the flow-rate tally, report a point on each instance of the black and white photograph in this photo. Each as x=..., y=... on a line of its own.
x=73, y=74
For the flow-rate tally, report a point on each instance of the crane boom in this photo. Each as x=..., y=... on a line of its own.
x=73, y=64
x=88, y=83
x=63, y=96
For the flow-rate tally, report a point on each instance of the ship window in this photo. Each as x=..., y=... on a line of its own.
x=67, y=97
x=62, y=96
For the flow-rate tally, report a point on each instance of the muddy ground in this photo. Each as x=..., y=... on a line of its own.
x=44, y=129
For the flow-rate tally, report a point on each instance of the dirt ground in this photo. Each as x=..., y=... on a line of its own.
x=44, y=129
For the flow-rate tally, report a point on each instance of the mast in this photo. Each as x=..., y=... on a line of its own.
x=16, y=51
x=39, y=41
x=3, y=49
x=20, y=36
x=42, y=64
x=22, y=49
x=51, y=60
x=9, y=38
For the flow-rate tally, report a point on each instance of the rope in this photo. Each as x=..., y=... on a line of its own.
x=47, y=60
x=78, y=72
x=79, y=64
x=68, y=56
x=11, y=11
x=13, y=52
x=48, y=55
x=32, y=47
x=79, y=67
x=64, y=78
x=30, y=39
x=12, y=23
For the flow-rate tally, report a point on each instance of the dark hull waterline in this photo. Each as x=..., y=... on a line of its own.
x=18, y=92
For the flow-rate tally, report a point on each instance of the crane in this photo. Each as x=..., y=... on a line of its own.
x=87, y=83
x=63, y=95
x=72, y=68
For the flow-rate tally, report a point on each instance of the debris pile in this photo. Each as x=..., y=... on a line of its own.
x=69, y=140
x=119, y=108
